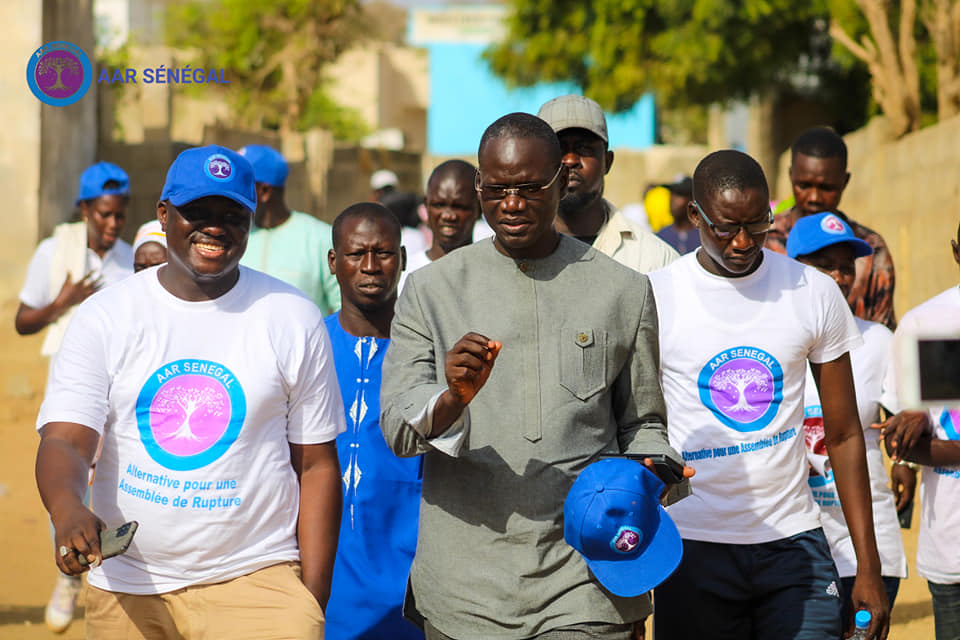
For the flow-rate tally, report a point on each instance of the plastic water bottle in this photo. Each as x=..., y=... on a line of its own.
x=861, y=622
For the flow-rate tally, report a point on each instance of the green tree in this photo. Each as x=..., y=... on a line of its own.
x=274, y=52
x=687, y=51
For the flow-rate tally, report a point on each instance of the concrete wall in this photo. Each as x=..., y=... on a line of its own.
x=19, y=145
x=906, y=190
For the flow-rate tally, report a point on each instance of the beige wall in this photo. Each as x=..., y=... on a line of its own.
x=388, y=85
x=633, y=170
x=907, y=190
x=19, y=145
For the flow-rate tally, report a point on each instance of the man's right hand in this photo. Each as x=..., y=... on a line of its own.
x=73, y=293
x=77, y=531
x=468, y=365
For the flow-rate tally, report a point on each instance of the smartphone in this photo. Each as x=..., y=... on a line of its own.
x=905, y=515
x=669, y=471
x=113, y=542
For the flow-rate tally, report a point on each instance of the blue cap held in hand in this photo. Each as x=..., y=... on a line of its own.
x=269, y=166
x=612, y=516
x=812, y=233
x=93, y=182
x=210, y=171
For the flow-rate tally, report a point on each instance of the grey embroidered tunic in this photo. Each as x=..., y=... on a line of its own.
x=578, y=376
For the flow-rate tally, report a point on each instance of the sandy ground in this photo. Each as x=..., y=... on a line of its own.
x=26, y=556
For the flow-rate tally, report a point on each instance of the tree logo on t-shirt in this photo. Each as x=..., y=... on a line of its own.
x=950, y=421
x=743, y=387
x=189, y=412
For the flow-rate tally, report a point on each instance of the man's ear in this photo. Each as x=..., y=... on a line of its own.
x=846, y=180
x=264, y=192
x=332, y=261
x=162, y=214
x=693, y=214
x=609, y=162
x=403, y=258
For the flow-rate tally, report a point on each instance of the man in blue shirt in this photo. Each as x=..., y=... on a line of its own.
x=381, y=500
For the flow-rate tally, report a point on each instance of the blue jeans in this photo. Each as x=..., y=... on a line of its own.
x=892, y=585
x=946, y=610
x=786, y=589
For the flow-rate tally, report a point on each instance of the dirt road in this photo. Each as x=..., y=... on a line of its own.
x=26, y=556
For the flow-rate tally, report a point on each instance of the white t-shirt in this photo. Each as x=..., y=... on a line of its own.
x=196, y=403
x=869, y=363
x=938, y=559
x=734, y=353
x=116, y=264
x=415, y=260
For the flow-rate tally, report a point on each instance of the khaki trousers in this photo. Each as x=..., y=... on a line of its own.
x=270, y=603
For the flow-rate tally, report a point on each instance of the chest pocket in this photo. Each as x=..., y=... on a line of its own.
x=583, y=361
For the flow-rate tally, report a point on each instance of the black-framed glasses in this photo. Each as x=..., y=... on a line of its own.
x=731, y=229
x=527, y=191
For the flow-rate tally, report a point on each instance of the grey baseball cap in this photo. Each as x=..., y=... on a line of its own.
x=574, y=112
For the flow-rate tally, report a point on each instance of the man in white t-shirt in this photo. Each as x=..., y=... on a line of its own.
x=452, y=211
x=826, y=242
x=213, y=390
x=738, y=326
x=932, y=439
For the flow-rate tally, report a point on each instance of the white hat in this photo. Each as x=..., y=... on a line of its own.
x=382, y=179
x=149, y=232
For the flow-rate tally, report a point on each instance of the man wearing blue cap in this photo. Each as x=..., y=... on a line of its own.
x=77, y=260
x=290, y=245
x=212, y=389
x=826, y=242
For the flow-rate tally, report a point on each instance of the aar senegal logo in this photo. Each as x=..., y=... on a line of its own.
x=743, y=387
x=950, y=421
x=218, y=167
x=833, y=224
x=59, y=73
x=627, y=539
x=189, y=412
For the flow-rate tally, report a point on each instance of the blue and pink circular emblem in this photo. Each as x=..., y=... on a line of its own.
x=59, y=73
x=950, y=421
x=627, y=539
x=218, y=167
x=743, y=387
x=189, y=412
x=833, y=224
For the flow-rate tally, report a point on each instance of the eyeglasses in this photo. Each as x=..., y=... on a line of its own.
x=731, y=230
x=527, y=191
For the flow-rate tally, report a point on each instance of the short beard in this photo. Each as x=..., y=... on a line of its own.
x=573, y=203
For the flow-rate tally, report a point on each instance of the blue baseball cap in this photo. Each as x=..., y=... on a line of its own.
x=612, y=516
x=210, y=171
x=269, y=167
x=92, y=182
x=812, y=233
